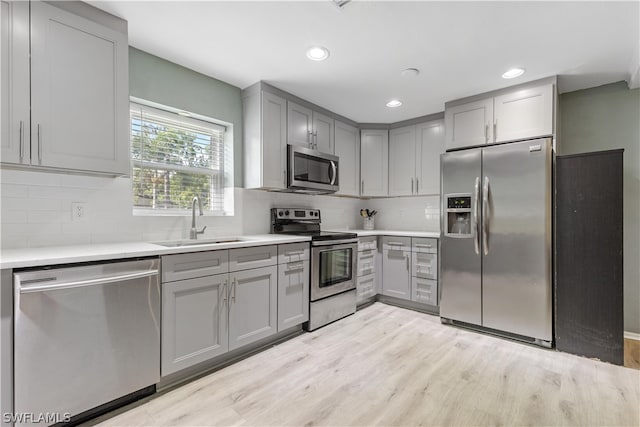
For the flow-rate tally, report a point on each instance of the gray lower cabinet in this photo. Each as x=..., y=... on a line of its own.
x=194, y=321
x=396, y=273
x=253, y=305
x=424, y=290
x=293, y=294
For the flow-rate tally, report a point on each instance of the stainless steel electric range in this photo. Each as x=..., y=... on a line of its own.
x=333, y=263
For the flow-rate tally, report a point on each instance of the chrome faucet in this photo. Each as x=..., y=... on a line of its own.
x=194, y=231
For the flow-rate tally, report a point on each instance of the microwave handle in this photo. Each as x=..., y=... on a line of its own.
x=334, y=172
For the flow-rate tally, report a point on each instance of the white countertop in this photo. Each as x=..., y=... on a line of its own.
x=364, y=233
x=52, y=255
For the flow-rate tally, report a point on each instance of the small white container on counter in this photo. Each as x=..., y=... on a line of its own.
x=368, y=223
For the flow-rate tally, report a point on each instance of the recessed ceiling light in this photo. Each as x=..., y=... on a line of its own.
x=410, y=72
x=318, y=53
x=394, y=103
x=513, y=73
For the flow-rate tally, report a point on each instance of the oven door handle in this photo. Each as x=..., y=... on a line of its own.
x=334, y=242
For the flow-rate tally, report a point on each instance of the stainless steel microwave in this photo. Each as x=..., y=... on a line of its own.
x=310, y=171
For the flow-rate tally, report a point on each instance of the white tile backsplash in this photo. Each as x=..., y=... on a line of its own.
x=35, y=210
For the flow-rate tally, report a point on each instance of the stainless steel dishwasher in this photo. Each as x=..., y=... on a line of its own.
x=85, y=336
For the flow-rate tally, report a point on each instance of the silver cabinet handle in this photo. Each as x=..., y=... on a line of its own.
x=485, y=216
x=362, y=187
x=394, y=243
x=39, y=146
x=235, y=285
x=290, y=253
x=407, y=258
x=422, y=245
x=476, y=240
x=495, y=130
x=417, y=181
x=295, y=266
x=284, y=173
x=225, y=292
x=90, y=282
x=486, y=133
x=411, y=185
x=21, y=141
x=334, y=172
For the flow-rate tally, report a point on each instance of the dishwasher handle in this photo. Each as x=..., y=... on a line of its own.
x=91, y=282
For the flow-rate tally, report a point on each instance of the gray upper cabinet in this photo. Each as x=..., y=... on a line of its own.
x=429, y=147
x=414, y=159
x=522, y=112
x=374, y=162
x=253, y=305
x=402, y=148
x=469, y=124
x=309, y=128
x=79, y=92
x=347, y=148
x=299, y=125
x=194, y=322
x=265, y=136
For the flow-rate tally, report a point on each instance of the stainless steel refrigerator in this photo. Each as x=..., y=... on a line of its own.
x=496, y=239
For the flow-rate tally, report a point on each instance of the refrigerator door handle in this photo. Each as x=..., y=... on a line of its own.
x=476, y=238
x=485, y=216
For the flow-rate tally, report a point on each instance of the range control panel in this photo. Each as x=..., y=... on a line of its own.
x=296, y=214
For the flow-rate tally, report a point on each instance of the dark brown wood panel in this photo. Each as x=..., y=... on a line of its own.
x=588, y=304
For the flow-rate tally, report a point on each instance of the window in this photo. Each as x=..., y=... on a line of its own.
x=175, y=158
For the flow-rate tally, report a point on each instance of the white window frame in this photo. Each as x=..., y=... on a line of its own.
x=196, y=120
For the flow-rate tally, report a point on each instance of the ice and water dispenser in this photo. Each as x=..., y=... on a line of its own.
x=458, y=217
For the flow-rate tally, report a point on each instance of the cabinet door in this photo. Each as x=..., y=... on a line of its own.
x=424, y=291
x=402, y=149
x=424, y=265
x=79, y=93
x=300, y=125
x=323, y=133
x=274, y=141
x=396, y=274
x=374, y=163
x=194, y=321
x=429, y=147
x=524, y=114
x=14, y=140
x=366, y=287
x=469, y=124
x=347, y=148
x=293, y=294
x=253, y=305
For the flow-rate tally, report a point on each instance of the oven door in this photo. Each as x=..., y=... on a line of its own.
x=332, y=268
x=311, y=170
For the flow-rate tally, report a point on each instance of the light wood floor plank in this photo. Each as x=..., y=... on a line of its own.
x=394, y=367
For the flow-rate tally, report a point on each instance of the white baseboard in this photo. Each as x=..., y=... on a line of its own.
x=631, y=336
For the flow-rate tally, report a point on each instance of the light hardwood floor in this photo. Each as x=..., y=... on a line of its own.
x=390, y=366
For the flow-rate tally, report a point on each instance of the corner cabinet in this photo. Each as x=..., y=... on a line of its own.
x=265, y=136
x=347, y=148
x=374, y=162
x=68, y=100
x=513, y=114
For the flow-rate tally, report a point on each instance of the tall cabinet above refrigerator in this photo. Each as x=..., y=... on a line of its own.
x=496, y=239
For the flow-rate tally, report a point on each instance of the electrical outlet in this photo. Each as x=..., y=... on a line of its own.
x=78, y=211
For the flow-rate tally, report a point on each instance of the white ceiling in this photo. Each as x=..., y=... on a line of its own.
x=461, y=48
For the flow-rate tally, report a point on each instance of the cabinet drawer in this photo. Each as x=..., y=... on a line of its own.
x=293, y=252
x=396, y=243
x=424, y=244
x=254, y=257
x=366, y=286
x=424, y=291
x=195, y=264
x=366, y=262
x=367, y=243
x=424, y=265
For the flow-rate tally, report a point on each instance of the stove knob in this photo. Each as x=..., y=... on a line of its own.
x=315, y=213
x=286, y=213
x=280, y=213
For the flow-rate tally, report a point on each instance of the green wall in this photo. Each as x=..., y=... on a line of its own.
x=158, y=80
x=604, y=118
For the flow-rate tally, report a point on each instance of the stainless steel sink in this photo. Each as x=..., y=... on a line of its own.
x=189, y=242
